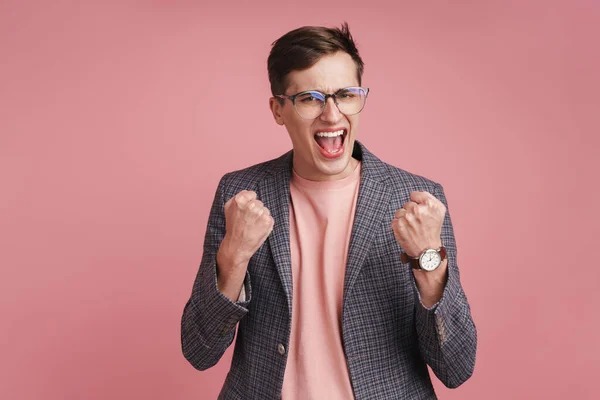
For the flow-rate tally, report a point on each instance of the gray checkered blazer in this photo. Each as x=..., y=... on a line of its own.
x=389, y=338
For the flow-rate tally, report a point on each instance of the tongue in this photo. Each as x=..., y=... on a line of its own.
x=330, y=144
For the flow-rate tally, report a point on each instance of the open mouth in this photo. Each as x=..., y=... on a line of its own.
x=332, y=142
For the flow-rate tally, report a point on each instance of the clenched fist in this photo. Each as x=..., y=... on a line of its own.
x=418, y=225
x=248, y=223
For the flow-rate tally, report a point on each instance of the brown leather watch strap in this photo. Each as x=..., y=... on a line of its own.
x=443, y=254
x=405, y=258
x=414, y=263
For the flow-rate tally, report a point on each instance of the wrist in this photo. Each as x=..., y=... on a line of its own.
x=230, y=257
x=435, y=245
x=228, y=270
x=230, y=279
x=431, y=285
x=231, y=270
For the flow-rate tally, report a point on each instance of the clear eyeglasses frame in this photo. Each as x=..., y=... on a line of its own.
x=310, y=104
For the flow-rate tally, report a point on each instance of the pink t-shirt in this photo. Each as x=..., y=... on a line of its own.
x=321, y=217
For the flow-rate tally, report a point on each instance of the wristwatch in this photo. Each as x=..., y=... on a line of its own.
x=429, y=260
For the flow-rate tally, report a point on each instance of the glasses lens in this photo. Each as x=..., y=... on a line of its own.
x=309, y=105
x=351, y=100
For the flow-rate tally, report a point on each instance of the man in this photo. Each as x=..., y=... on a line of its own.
x=338, y=270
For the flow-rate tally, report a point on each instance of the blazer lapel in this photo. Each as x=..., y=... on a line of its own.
x=275, y=194
x=371, y=208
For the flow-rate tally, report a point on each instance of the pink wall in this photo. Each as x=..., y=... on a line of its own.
x=117, y=121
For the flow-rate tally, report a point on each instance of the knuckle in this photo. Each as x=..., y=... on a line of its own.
x=245, y=195
x=240, y=199
x=266, y=223
x=266, y=218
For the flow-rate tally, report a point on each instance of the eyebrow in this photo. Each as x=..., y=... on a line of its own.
x=323, y=91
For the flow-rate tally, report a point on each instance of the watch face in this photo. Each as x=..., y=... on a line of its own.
x=430, y=260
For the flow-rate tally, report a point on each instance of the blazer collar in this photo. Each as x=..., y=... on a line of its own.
x=372, y=167
x=371, y=207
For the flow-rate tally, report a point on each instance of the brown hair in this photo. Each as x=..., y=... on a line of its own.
x=303, y=47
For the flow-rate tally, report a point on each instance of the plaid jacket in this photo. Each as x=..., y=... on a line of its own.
x=388, y=336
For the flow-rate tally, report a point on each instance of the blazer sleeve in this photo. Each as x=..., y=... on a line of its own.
x=209, y=318
x=446, y=331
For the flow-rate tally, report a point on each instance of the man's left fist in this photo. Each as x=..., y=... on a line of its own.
x=418, y=225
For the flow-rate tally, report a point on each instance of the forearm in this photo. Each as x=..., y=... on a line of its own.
x=231, y=272
x=209, y=320
x=447, y=335
x=209, y=317
x=431, y=285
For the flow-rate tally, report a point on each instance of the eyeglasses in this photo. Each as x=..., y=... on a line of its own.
x=310, y=104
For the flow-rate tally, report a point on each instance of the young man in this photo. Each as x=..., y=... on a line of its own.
x=338, y=269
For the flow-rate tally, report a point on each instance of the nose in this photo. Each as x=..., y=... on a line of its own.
x=331, y=113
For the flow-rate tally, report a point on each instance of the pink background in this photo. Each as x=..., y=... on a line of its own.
x=117, y=121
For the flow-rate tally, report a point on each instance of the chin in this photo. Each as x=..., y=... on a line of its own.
x=332, y=167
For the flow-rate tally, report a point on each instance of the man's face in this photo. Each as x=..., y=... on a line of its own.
x=314, y=157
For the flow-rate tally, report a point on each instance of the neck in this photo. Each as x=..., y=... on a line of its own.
x=352, y=164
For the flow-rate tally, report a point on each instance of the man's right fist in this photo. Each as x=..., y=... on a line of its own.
x=248, y=223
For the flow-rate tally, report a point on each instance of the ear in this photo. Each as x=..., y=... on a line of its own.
x=276, y=109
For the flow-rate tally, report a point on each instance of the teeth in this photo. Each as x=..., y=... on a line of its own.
x=330, y=134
